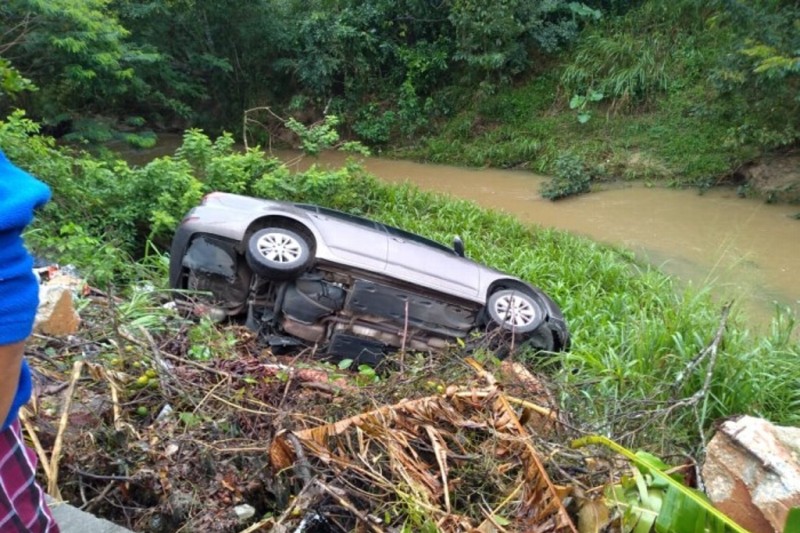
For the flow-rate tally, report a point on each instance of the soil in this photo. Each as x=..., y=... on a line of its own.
x=777, y=178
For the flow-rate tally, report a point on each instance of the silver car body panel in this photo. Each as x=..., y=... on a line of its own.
x=348, y=241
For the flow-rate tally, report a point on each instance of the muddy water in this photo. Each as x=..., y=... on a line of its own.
x=746, y=249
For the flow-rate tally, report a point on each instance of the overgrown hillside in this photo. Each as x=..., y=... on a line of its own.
x=674, y=93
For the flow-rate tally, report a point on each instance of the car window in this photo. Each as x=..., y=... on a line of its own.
x=353, y=219
x=365, y=222
x=413, y=237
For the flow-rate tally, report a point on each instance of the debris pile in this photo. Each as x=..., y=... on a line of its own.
x=462, y=460
x=162, y=422
x=131, y=426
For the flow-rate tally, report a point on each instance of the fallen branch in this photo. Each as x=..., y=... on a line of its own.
x=369, y=521
x=711, y=350
x=52, y=480
x=37, y=445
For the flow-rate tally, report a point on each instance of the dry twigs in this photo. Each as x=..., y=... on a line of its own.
x=52, y=480
x=158, y=441
x=434, y=454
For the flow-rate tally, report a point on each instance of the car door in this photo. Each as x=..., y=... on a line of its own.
x=427, y=263
x=353, y=240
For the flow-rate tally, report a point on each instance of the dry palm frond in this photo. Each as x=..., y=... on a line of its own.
x=463, y=458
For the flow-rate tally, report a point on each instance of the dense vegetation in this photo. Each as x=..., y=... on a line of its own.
x=634, y=332
x=684, y=91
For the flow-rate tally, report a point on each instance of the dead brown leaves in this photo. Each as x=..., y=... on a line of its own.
x=434, y=445
x=430, y=456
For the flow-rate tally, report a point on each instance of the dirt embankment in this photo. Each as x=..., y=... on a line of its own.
x=776, y=178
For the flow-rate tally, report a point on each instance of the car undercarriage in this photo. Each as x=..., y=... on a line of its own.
x=347, y=315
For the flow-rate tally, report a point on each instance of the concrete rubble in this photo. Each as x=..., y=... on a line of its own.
x=752, y=472
x=56, y=315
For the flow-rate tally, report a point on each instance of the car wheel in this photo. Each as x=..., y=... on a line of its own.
x=278, y=253
x=515, y=311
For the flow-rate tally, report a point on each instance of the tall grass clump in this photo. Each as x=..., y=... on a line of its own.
x=633, y=332
x=633, y=58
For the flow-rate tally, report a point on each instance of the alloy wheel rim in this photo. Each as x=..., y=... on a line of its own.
x=279, y=248
x=515, y=310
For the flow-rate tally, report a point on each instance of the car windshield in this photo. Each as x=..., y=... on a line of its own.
x=361, y=221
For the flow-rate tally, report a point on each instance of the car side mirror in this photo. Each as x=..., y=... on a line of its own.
x=458, y=246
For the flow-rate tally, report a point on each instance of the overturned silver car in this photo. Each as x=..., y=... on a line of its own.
x=358, y=289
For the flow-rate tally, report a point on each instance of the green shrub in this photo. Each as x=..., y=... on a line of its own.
x=570, y=178
x=375, y=126
x=141, y=140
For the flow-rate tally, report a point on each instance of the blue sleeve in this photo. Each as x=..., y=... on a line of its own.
x=20, y=194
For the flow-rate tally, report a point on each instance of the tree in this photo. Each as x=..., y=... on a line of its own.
x=73, y=50
x=761, y=80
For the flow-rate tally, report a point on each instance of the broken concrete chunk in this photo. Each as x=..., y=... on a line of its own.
x=244, y=512
x=752, y=472
x=56, y=315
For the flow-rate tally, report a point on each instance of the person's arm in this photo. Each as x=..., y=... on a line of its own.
x=10, y=366
x=20, y=195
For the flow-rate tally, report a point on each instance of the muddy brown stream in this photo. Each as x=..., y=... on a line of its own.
x=746, y=249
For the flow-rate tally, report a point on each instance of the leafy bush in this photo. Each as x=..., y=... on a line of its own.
x=141, y=140
x=570, y=178
x=373, y=125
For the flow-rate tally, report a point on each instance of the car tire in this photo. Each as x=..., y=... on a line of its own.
x=542, y=340
x=515, y=311
x=278, y=253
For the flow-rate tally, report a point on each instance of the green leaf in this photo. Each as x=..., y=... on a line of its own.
x=501, y=520
x=344, y=364
x=577, y=101
x=652, y=460
x=683, y=510
x=792, y=521
x=190, y=419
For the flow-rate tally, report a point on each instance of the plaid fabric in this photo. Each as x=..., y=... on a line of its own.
x=22, y=505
